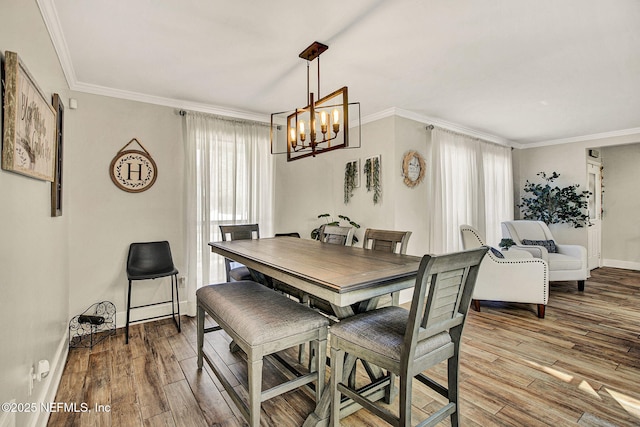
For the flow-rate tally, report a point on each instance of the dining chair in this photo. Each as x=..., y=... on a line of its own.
x=386, y=240
x=236, y=271
x=148, y=261
x=336, y=234
x=407, y=342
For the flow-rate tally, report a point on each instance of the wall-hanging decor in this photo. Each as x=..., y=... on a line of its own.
x=372, y=177
x=56, y=185
x=133, y=170
x=29, y=137
x=413, y=168
x=351, y=178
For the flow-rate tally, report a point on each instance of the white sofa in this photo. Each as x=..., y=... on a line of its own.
x=570, y=261
x=518, y=277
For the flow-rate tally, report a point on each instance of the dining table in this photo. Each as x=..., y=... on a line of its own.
x=351, y=279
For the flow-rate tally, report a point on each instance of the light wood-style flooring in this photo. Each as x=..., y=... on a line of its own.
x=580, y=366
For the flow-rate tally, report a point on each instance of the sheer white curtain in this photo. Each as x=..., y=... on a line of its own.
x=470, y=182
x=229, y=181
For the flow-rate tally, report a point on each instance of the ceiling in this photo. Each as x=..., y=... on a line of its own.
x=522, y=71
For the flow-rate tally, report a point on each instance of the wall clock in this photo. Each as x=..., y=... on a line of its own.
x=133, y=171
x=413, y=168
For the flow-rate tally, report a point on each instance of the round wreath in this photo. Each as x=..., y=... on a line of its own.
x=405, y=168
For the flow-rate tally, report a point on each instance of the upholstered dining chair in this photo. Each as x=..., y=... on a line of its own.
x=407, y=342
x=148, y=261
x=566, y=262
x=386, y=240
x=510, y=276
x=236, y=271
x=336, y=234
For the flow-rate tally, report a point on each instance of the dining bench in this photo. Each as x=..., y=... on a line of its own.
x=261, y=322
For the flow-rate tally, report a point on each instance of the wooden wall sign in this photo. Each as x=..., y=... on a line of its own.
x=29, y=137
x=133, y=171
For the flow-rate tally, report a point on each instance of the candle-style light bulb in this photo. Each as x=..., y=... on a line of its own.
x=336, y=121
x=292, y=135
x=303, y=136
x=323, y=122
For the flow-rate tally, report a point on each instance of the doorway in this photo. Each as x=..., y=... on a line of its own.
x=594, y=182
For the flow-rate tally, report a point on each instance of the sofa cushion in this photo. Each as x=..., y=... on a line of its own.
x=497, y=253
x=559, y=262
x=549, y=244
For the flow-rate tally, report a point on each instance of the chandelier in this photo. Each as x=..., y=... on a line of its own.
x=322, y=125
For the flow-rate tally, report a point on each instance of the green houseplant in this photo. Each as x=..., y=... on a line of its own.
x=553, y=204
x=506, y=243
x=350, y=174
x=315, y=233
x=372, y=174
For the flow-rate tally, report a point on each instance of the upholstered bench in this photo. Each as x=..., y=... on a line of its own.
x=261, y=321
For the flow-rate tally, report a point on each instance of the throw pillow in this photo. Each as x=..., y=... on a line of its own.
x=549, y=244
x=497, y=253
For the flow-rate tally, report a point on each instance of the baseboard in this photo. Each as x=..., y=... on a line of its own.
x=186, y=308
x=49, y=386
x=628, y=265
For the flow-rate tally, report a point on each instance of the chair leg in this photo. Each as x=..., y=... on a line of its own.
x=452, y=386
x=319, y=365
x=128, y=314
x=337, y=365
x=255, y=390
x=541, y=308
x=476, y=305
x=406, y=383
x=581, y=285
x=178, y=323
x=200, y=332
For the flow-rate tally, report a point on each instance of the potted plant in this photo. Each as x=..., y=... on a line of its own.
x=506, y=243
x=315, y=233
x=553, y=204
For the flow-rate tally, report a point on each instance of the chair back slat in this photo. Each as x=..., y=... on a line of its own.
x=240, y=232
x=386, y=240
x=442, y=295
x=336, y=235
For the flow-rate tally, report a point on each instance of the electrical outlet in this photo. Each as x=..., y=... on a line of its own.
x=182, y=282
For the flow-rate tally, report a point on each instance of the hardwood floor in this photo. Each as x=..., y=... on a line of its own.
x=580, y=366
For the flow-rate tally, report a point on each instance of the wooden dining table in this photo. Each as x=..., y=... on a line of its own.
x=340, y=275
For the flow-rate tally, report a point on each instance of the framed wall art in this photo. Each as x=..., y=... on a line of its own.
x=413, y=168
x=29, y=131
x=133, y=171
x=56, y=185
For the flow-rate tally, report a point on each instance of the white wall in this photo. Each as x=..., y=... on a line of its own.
x=312, y=186
x=620, y=224
x=34, y=272
x=570, y=161
x=104, y=220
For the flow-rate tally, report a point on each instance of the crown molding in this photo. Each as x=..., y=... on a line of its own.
x=399, y=112
x=171, y=102
x=585, y=138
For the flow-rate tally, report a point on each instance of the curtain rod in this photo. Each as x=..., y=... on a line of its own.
x=184, y=113
x=431, y=127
